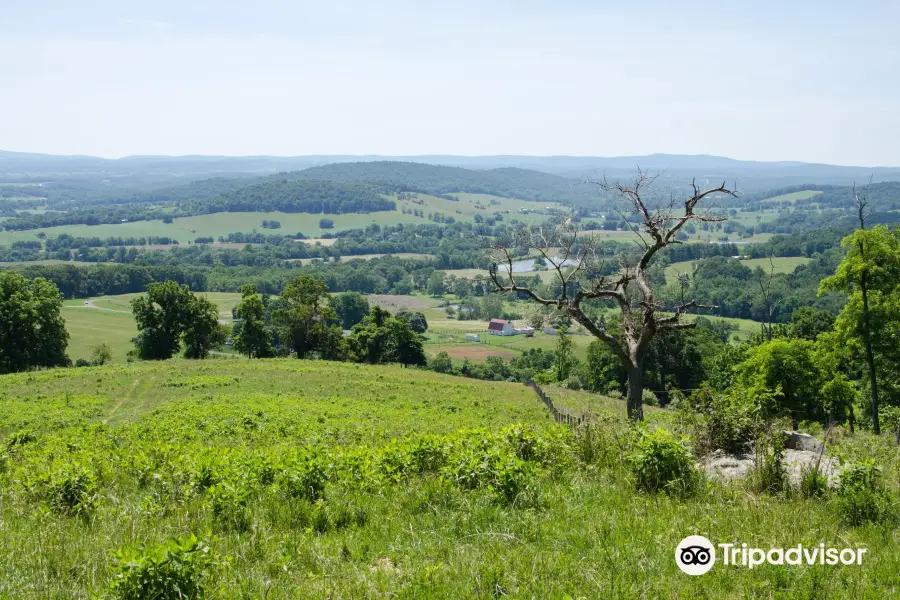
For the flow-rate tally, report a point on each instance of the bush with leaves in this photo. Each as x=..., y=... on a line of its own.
x=71, y=490
x=172, y=570
x=306, y=477
x=768, y=474
x=862, y=497
x=229, y=503
x=649, y=398
x=661, y=462
x=721, y=421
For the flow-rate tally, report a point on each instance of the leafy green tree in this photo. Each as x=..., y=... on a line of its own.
x=535, y=317
x=435, y=284
x=32, y=330
x=202, y=331
x=407, y=343
x=101, y=354
x=371, y=341
x=351, y=308
x=416, y=320
x=721, y=373
x=161, y=316
x=869, y=273
x=170, y=314
x=306, y=320
x=441, y=363
x=490, y=306
x=604, y=370
x=253, y=339
x=808, y=322
x=462, y=288
x=565, y=356
x=788, y=369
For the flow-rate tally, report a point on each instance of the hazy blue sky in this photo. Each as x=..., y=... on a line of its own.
x=788, y=80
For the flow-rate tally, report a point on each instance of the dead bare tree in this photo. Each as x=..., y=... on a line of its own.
x=573, y=256
x=768, y=297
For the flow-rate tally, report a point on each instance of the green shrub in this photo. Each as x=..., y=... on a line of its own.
x=306, y=478
x=229, y=505
x=649, y=398
x=720, y=421
x=889, y=417
x=663, y=463
x=574, y=382
x=171, y=571
x=71, y=491
x=768, y=474
x=813, y=483
x=496, y=469
x=862, y=497
x=20, y=438
x=205, y=477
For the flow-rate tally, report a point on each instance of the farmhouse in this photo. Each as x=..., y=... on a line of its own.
x=504, y=327
x=500, y=327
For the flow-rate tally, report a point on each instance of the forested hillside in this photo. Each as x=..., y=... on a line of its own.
x=440, y=180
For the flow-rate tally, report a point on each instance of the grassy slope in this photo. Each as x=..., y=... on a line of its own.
x=189, y=228
x=794, y=196
x=585, y=534
x=112, y=323
x=783, y=264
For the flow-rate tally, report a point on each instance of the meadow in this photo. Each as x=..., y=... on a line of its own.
x=782, y=264
x=296, y=479
x=108, y=319
x=794, y=196
x=187, y=229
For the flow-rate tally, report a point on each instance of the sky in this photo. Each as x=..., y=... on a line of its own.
x=788, y=80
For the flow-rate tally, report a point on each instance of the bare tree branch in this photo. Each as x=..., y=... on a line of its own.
x=571, y=256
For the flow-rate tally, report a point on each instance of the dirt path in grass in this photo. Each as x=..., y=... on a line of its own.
x=121, y=400
x=90, y=304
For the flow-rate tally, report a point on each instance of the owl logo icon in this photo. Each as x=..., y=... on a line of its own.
x=695, y=555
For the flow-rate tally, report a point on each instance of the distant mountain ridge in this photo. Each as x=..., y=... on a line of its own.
x=540, y=178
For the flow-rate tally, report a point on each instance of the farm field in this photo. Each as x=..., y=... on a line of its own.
x=109, y=320
x=187, y=229
x=450, y=336
x=303, y=479
x=783, y=264
x=345, y=258
x=794, y=196
x=49, y=261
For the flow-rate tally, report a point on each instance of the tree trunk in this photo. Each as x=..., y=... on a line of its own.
x=870, y=357
x=635, y=400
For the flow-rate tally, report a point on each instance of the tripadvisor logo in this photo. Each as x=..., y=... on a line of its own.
x=696, y=555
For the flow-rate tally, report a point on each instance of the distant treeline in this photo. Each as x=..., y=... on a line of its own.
x=290, y=196
x=66, y=241
x=387, y=275
x=456, y=246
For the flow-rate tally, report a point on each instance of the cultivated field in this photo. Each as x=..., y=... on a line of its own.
x=794, y=196
x=783, y=264
x=308, y=479
x=108, y=319
x=187, y=229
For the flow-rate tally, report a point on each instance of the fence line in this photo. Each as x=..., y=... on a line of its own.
x=558, y=415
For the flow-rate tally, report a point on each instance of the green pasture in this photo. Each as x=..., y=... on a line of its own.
x=310, y=479
x=794, y=196
x=187, y=229
x=782, y=264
